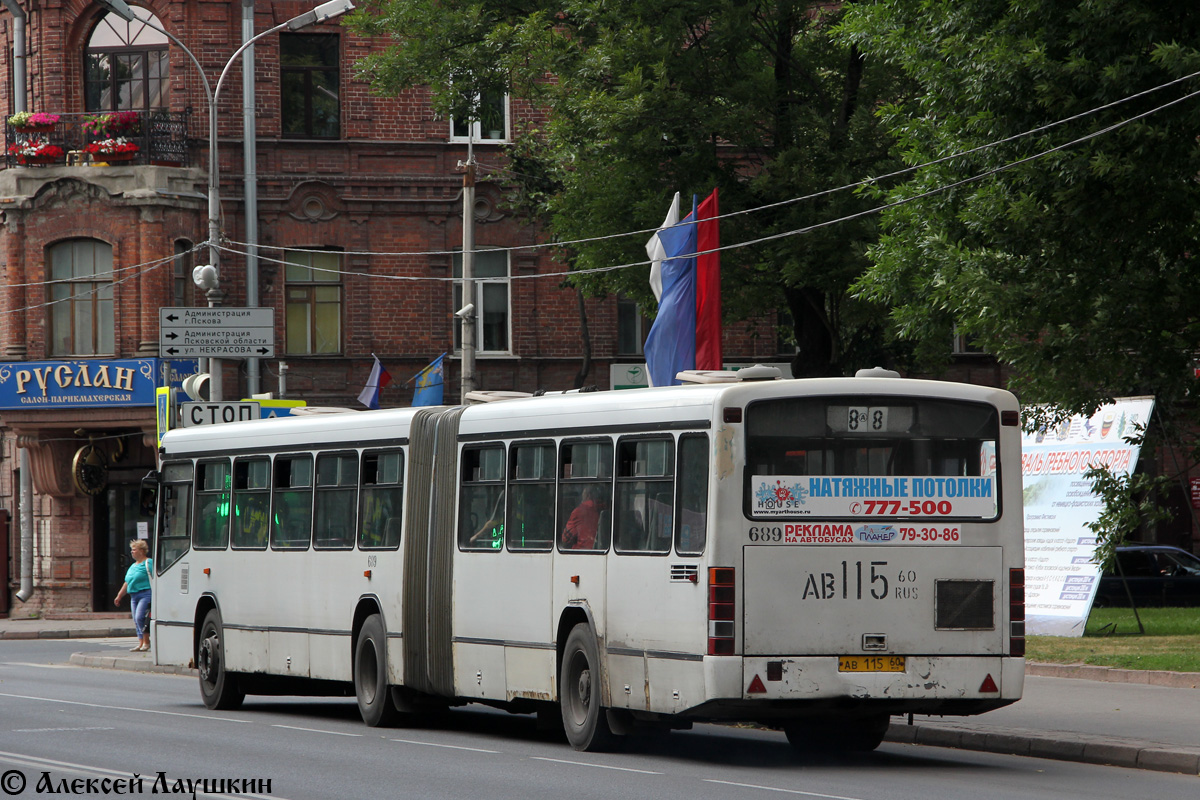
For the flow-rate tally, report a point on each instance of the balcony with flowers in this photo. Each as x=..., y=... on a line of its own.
x=40, y=139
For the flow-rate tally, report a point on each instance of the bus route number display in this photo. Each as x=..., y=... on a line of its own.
x=848, y=496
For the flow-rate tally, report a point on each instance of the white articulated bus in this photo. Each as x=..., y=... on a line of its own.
x=817, y=555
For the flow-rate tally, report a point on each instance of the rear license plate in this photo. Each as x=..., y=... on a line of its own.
x=871, y=664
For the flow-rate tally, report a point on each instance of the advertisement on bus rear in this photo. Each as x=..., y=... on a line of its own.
x=971, y=497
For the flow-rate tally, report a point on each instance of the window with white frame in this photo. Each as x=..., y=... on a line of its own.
x=80, y=290
x=314, y=301
x=492, y=299
x=492, y=125
x=964, y=344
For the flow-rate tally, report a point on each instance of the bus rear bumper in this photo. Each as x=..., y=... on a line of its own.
x=783, y=687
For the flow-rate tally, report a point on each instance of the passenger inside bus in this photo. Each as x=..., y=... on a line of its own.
x=580, y=530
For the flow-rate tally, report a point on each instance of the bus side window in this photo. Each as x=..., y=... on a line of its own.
x=382, y=500
x=174, y=536
x=212, y=505
x=585, y=496
x=251, y=502
x=481, y=499
x=691, y=521
x=530, y=521
x=291, y=500
x=645, y=495
x=337, y=500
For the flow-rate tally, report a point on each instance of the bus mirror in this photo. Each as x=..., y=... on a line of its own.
x=148, y=495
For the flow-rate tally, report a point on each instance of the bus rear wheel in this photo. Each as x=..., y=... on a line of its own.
x=584, y=719
x=375, y=702
x=834, y=734
x=218, y=687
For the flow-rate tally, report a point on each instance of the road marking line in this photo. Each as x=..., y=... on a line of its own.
x=43, y=666
x=448, y=746
x=315, y=730
x=777, y=789
x=123, y=708
x=56, y=730
x=588, y=764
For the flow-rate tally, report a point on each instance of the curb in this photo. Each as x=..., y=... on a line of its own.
x=1078, y=747
x=1152, y=677
x=128, y=663
x=70, y=633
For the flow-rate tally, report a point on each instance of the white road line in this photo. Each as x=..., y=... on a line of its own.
x=57, y=730
x=588, y=764
x=43, y=666
x=777, y=789
x=315, y=730
x=123, y=708
x=448, y=746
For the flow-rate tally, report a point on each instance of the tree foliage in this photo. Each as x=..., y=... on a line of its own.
x=1078, y=268
x=645, y=98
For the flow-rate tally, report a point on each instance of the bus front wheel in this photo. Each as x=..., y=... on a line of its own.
x=824, y=735
x=218, y=687
x=584, y=719
x=371, y=675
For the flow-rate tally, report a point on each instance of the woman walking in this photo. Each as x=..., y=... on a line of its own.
x=137, y=586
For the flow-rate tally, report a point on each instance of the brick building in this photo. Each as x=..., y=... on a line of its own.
x=95, y=241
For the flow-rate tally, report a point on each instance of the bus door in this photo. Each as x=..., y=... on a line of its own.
x=874, y=532
x=583, y=532
x=652, y=606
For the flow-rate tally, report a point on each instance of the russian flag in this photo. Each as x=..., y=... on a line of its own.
x=686, y=333
x=378, y=379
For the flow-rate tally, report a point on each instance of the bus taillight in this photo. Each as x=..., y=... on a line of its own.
x=1016, y=612
x=721, y=597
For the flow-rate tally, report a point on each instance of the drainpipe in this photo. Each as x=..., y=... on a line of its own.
x=20, y=23
x=250, y=185
x=26, y=528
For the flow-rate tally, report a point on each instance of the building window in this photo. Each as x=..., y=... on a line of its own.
x=631, y=328
x=314, y=302
x=182, y=272
x=81, y=298
x=491, y=301
x=492, y=125
x=126, y=65
x=308, y=77
x=964, y=344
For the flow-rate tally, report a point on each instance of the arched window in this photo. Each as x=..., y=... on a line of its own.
x=126, y=65
x=79, y=288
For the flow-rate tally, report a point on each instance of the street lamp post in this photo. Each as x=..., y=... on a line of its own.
x=323, y=12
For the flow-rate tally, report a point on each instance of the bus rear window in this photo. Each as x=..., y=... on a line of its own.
x=826, y=456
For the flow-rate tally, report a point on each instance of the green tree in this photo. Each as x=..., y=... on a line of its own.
x=645, y=98
x=1078, y=268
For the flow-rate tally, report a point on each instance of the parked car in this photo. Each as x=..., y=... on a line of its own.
x=1157, y=575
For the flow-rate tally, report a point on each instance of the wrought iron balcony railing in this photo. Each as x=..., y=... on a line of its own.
x=128, y=137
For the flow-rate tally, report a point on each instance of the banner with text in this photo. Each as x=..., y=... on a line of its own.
x=1061, y=577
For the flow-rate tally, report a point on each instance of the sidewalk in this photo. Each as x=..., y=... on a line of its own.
x=68, y=626
x=1069, y=713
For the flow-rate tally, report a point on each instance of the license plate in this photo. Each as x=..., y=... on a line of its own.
x=871, y=664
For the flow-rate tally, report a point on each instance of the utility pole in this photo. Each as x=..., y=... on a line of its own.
x=468, y=311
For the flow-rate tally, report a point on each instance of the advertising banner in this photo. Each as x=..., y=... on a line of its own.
x=1061, y=577
x=88, y=383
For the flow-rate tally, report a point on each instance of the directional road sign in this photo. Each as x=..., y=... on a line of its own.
x=216, y=332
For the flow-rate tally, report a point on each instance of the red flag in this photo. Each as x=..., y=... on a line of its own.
x=708, y=286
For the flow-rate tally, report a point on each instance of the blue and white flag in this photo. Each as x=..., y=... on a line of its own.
x=428, y=390
x=671, y=343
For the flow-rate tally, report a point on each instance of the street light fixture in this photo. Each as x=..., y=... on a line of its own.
x=325, y=11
